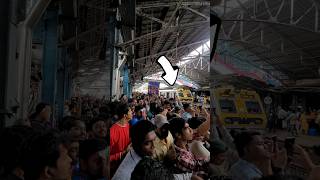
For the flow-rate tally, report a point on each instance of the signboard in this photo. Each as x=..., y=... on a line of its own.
x=268, y=100
x=153, y=87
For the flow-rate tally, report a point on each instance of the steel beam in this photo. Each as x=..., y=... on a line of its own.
x=140, y=13
x=83, y=34
x=152, y=4
x=196, y=12
x=171, y=50
x=160, y=39
x=156, y=33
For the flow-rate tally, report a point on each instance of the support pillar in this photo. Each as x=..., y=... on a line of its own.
x=4, y=24
x=50, y=56
x=126, y=81
x=110, y=56
x=61, y=83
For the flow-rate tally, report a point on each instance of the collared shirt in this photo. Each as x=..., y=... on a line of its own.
x=162, y=146
x=127, y=166
x=245, y=170
x=186, y=161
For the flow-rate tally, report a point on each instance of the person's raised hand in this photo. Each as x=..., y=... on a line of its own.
x=280, y=159
x=301, y=158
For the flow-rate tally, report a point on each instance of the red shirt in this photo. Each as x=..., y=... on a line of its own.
x=119, y=140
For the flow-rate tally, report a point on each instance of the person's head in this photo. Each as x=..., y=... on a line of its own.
x=218, y=152
x=159, y=110
x=142, y=136
x=92, y=154
x=167, y=105
x=124, y=112
x=150, y=169
x=141, y=102
x=123, y=98
x=171, y=115
x=195, y=122
x=47, y=157
x=178, y=110
x=171, y=100
x=75, y=128
x=250, y=145
x=180, y=130
x=43, y=112
x=138, y=111
x=99, y=128
x=134, y=102
x=73, y=150
x=187, y=108
x=162, y=125
x=13, y=140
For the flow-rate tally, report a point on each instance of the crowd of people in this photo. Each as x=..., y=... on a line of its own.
x=162, y=134
x=145, y=137
x=296, y=121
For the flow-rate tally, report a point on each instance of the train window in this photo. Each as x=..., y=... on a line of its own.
x=227, y=106
x=253, y=107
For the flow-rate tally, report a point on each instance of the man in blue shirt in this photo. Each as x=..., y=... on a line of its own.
x=254, y=156
x=93, y=163
x=139, y=115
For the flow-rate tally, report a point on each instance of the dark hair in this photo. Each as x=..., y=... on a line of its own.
x=150, y=169
x=159, y=110
x=171, y=115
x=90, y=146
x=138, y=134
x=104, y=111
x=153, y=107
x=68, y=122
x=93, y=121
x=195, y=122
x=122, y=110
x=176, y=126
x=137, y=109
x=13, y=140
x=243, y=139
x=114, y=106
x=42, y=151
x=167, y=102
x=39, y=108
x=177, y=109
x=186, y=106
